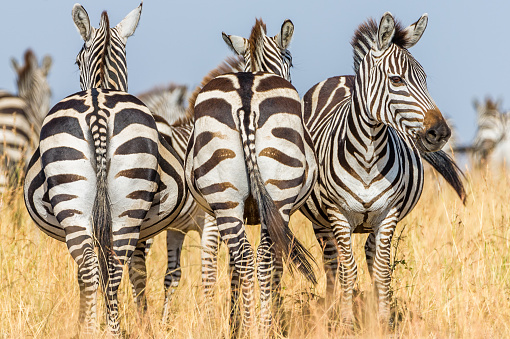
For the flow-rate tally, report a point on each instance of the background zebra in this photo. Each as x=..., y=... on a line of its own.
x=251, y=157
x=21, y=116
x=175, y=124
x=492, y=139
x=368, y=131
x=102, y=175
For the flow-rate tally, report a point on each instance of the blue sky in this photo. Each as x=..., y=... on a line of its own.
x=464, y=51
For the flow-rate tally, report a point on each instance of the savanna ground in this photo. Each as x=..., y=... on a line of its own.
x=451, y=276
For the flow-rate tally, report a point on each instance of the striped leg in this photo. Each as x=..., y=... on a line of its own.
x=210, y=243
x=370, y=253
x=264, y=274
x=326, y=240
x=88, y=281
x=174, y=240
x=232, y=232
x=138, y=274
x=348, y=269
x=381, y=267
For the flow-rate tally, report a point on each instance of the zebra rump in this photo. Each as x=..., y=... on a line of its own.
x=448, y=169
x=284, y=242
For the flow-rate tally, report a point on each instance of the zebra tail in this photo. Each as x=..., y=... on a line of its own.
x=448, y=169
x=101, y=211
x=284, y=242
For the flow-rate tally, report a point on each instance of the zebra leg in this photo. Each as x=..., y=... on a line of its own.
x=233, y=233
x=88, y=280
x=264, y=275
x=138, y=274
x=174, y=240
x=348, y=267
x=327, y=241
x=381, y=266
x=210, y=245
x=370, y=253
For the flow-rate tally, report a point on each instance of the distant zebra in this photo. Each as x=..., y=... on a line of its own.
x=251, y=157
x=369, y=130
x=175, y=123
x=21, y=116
x=102, y=175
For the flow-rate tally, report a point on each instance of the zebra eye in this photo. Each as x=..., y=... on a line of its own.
x=396, y=79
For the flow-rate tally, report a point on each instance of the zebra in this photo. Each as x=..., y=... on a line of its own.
x=492, y=138
x=369, y=131
x=102, y=175
x=175, y=124
x=251, y=157
x=21, y=115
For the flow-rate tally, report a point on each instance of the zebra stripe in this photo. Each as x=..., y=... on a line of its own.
x=21, y=116
x=368, y=131
x=102, y=174
x=250, y=157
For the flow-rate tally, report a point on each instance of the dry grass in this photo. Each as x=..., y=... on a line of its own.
x=451, y=276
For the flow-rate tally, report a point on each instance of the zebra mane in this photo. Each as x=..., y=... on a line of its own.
x=365, y=38
x=256, y=40
x=229, y=65
x=26, y=70
x=105, y=24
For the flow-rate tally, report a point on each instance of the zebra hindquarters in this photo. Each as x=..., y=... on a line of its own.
x=67, y=163
x=218, y=172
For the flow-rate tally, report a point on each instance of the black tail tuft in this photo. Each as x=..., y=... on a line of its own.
x=102, y=225
x=448, y=169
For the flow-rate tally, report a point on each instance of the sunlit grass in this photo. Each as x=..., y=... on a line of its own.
x=451, y=276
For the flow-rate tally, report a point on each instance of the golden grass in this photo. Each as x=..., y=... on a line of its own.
x=451, y=276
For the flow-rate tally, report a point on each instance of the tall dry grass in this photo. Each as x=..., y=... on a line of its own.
x=451, y=276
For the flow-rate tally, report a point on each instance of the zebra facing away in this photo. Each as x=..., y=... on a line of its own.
x=251, y=157
x=102, y=175
x=368, y=131
x=21, y=116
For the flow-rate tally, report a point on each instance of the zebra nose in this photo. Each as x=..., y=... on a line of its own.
x=439, y=133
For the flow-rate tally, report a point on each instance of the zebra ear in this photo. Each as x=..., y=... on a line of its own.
x=386, y=31
x=15, y=65
x=415, y=31
x=128, y=25
x=236, y=43
x=283, y=38
x=82, y=21
x=46, y=65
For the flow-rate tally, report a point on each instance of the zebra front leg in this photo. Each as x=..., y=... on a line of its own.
x=381, y=266
x=138, y=275
x=265, y=268
x=348, y=268
x=174, y=240
x=327, y=242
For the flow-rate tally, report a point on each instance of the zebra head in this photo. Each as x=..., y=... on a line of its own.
x=102, y=59
x=262, y=53
x=33, y=85
x=393, y=83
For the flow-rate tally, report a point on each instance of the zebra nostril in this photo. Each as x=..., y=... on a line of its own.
x=432, y=135
x=438, y=133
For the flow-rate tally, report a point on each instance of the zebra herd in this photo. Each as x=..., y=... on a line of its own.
x=111, y=170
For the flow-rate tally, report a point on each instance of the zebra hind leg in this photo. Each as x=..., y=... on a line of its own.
x=174, y=240
x=88, y=281
x=210, y=238
x=265, y=266
x=138, y=275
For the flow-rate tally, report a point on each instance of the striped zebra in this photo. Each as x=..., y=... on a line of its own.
x=21, y=116
x=251, y=157
x=175, y=124
x=492, y=139
x=369, y=130
x=102, y=175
